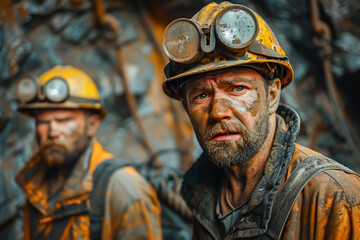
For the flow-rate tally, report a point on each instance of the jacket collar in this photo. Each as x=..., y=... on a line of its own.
x=201, y=183
x=77, y=186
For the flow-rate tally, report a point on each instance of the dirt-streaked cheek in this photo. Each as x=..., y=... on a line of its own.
x=256, y=106
x=71, y=128
x=72, y=133
x=248, y=103
x=198, y=117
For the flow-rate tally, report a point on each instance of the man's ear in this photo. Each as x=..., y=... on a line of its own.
x=274, y=95
x=93, y=123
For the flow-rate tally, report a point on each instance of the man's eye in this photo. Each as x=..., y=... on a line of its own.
x=201, y=96
x=238, y=88
x=63, y=120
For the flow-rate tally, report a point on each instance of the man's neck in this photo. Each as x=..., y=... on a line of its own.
x=56, y=178
x=242, y=179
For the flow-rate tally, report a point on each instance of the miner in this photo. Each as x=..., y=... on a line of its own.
x=253, y=180
x=74, y=188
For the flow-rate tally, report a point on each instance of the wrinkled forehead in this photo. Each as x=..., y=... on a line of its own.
x=226, y=76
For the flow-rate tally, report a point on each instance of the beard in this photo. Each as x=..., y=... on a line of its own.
x=228, y=154
x=56, y=153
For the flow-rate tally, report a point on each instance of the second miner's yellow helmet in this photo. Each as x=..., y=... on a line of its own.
x=221, y=36
x=60, y=87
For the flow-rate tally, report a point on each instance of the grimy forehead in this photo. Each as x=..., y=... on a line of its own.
x=57, y=112
x=224, y=76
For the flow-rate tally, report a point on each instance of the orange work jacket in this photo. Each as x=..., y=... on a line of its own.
x=328, y=207
x=132, y=210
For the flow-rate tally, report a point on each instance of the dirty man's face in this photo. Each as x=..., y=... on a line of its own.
x=229, y=113
x=62, y=135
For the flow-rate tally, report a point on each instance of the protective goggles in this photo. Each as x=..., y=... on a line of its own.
x=235, y=28
x=29, y=89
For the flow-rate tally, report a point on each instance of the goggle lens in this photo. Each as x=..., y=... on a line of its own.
x=26, y=89
x=56, y=90
x=181, y=41
x=236, y=28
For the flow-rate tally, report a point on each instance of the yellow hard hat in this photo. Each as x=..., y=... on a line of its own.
x=221, y=36
x=60, y=87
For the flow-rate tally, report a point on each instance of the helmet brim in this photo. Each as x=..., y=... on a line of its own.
x=171, y=84
x=29, y=108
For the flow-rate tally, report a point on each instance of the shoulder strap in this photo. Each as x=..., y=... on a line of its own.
x=287, y=195
x=101, y=178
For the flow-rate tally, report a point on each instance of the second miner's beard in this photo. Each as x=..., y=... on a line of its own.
x=227, y=154
x=57, y=153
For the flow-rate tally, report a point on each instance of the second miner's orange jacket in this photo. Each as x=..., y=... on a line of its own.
x=132, y=210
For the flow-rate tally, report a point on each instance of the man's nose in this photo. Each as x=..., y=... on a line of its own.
x=54, y=130
x=220, y=110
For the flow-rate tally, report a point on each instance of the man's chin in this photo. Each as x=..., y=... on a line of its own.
x=225, y=161
x=223, y=157
x=54, y=159
x=228, y=155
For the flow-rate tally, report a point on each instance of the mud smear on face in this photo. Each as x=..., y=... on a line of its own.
x=198, y=115
x=246, y=105
x=255, y=106
x=70, y=129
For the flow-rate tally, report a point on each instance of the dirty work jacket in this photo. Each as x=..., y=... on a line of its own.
x=327, y=208
x=132, y=210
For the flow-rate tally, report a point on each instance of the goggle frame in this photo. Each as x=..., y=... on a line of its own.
x=41, y=91
x=209, y=36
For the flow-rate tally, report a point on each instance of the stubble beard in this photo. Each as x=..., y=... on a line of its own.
x=228, y=154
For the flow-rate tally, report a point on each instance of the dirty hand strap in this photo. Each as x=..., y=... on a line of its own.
x=287, y=195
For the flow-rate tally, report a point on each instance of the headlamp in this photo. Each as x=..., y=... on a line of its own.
x=56, y=90
x=29, y=89
x=182, y=40
x=235, y=27
x=26, y=89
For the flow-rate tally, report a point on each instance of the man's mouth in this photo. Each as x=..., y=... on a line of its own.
x=225, y=136
x=55, y=147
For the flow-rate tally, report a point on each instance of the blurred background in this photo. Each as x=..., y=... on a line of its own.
x=118, y=43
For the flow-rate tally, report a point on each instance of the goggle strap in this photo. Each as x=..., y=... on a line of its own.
x=207, y=48
x=258, y=48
